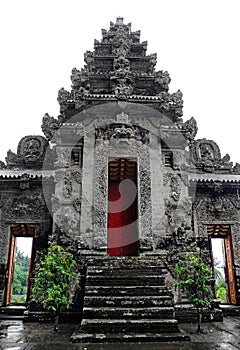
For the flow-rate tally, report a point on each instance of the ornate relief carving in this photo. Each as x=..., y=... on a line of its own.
x=67, y=185
x=49, y=126
x=67, y=219
x=64, y=98
x=77, y=204
x=163, y=79
x=55, y=203
x=236, y=169
x=25, y=207
x=63, y=157
x=215, y=208
x=173, y=179
x=102, y=152
x=207, y=156
x=76, y=175
x=190, y=127
x=30, y=153
x=2, y=165
x=24, y=182
x=175, y=188
x=122, y=132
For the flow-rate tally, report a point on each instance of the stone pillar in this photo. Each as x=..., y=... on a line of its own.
x=88, y=165
x=156, y=166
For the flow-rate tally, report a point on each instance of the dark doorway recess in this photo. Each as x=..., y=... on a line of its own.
x=122, y=207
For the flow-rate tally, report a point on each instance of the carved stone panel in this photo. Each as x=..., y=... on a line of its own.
x=103, y=152
x=25, y=207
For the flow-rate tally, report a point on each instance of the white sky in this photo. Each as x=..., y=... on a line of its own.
x=197, y=42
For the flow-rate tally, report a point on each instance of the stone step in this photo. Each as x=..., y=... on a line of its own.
x=126, y=290
x=125, y=280
x=129, y=325
x=105, y=270
x=130, y=301
x=128, y=313
x=127, y=337
x=13, y=310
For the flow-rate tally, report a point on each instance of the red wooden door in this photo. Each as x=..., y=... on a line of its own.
x=230, y=271
x=122, y=222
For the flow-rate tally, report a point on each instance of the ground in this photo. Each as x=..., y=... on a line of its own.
x=16, y=335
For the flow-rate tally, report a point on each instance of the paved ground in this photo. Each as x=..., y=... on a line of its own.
x=16, y=335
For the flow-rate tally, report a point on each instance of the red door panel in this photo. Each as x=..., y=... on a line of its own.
x=122, y=223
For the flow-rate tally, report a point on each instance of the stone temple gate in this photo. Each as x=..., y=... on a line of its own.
x=120, y=180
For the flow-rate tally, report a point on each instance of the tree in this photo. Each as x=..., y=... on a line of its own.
x=20, y=277
x=56, y=281
x=193, y=276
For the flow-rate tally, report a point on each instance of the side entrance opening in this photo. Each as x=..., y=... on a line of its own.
x=222, y=263
x=123, y=235
x=19, y=263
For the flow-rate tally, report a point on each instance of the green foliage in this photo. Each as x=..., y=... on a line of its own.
x=193, y=276
x=56, y=280
x=220, y=282
x=20, y=277
x=221, y=290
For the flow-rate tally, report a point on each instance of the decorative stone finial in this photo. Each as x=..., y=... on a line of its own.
x=119, y=21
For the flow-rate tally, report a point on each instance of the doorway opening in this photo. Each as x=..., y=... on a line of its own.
x=123, y=238
x=19, y=263
x=222, y=263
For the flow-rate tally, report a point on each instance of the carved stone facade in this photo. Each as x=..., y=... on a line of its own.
x=119, y=108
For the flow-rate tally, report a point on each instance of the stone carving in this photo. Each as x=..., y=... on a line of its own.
x=174, y=185
x=50, y=126
x=225, y=162
x=64, y=99
x=30, y=153
x=175, y=188
x=77, y=204
x=163, y=79
x=118, y=59
x=67, y=185
x=190, y=127
x=55, y=203
x=206, y=152
x=122, y=118
x=25, y=207
x=2, y=165
x=122, y=131
x=171, y=104
x=63, y=157
x=24, y=182
x=80, y=78
x=207, y=156
x=215, y=208
x=134, y=150
x=67, y=220
x=153, y=62
x=76, y=175
x=236, y=169
x=31, y=149
x=121, y=43
x=179, y=161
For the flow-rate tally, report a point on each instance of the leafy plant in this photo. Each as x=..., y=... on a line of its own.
x=194, y=277
x=20, y=277
x=221, y=290
x=56, y=281
x=220, y=282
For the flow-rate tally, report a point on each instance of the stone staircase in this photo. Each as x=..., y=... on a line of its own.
x=126, y=300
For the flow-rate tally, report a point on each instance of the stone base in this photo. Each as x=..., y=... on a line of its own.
x=186, y=313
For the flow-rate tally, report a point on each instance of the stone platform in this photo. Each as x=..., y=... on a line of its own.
x=126, y=300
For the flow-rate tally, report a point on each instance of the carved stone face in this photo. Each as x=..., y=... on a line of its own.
x=206, y=152
x=31, y=149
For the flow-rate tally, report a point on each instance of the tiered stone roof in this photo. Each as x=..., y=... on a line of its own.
x=120, y=70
